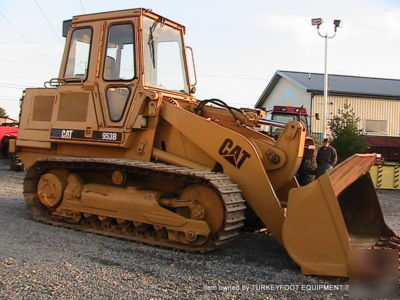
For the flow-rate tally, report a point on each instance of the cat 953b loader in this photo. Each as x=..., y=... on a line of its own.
x=118, y=145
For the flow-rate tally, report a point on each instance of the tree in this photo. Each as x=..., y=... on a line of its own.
x=346, y=137
x=2, y=113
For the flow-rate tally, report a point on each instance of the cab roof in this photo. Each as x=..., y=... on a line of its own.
x=126, y=13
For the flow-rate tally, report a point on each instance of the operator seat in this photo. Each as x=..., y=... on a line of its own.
x=110, y=69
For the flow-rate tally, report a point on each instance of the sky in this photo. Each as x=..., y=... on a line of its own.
x=238, y=45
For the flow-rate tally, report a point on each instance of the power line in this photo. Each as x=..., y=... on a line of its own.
x=17, y=81
x=25, y=39
x=47, y=20
x=28, y=62
x=12, y=84
x=10, y=87
x=230, y=77
x=15, y=100
x=10, y=100
x=83, y=8
x=239, y=103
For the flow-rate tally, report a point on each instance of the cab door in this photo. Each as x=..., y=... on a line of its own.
x=118, y=80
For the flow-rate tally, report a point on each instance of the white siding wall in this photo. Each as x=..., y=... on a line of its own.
x=365, y=108
x=286, y=93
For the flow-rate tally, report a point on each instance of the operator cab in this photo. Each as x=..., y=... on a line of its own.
x=110, y=59
x=115, y=66
x=163, y=58
x=286, y=114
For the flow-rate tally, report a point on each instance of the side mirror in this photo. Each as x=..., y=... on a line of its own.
x=67, y=24
x=193, y=89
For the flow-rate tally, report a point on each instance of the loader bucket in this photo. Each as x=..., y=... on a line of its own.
x=336, y=214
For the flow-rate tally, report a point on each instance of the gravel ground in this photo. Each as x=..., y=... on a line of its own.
x=39, y=261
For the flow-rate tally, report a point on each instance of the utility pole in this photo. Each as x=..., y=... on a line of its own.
x=337, y=23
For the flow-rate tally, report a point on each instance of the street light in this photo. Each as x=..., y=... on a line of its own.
x=317, y=22
x=337, y=23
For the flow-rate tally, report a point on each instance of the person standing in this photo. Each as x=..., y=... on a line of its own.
x=326, y=157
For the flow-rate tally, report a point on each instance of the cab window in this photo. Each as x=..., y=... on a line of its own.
x=163, y=53
x=78, y=55
x=119, y=61
x=117, y=98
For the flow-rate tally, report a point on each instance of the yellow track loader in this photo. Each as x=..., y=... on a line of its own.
x=118, y=145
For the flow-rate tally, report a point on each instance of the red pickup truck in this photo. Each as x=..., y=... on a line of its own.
x=6, y=133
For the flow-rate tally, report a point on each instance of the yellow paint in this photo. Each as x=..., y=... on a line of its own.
x=386, y=176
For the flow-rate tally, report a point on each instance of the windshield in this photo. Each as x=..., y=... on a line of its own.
x=286, y=118
x=164, y=62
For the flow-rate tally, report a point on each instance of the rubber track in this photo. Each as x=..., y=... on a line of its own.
x=234, y=205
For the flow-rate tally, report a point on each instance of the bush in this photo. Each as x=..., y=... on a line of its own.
x=2, y=113
x=346, y=137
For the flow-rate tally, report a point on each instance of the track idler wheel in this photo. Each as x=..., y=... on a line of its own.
x=205, y=204
x=50, y=188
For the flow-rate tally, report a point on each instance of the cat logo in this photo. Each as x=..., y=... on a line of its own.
x=66, y=134
x=233, y=154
